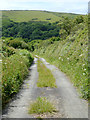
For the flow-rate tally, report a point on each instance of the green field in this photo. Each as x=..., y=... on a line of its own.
x=27, y=15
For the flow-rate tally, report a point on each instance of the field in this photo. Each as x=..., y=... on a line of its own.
x=25, y=16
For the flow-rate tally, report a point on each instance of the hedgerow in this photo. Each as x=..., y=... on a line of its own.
x=14, y=71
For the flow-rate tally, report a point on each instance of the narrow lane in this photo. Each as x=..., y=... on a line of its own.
x=70, y=101
x=64, y=97
x=18, y=107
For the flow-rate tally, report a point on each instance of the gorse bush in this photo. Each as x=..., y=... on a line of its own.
x=14, y=71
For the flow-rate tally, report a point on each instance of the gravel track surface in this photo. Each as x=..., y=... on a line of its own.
x=64, y=97
x=70, y=101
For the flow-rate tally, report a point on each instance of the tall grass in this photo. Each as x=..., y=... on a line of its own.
x=41, y=105
x=46, y=78
x=71, y=56
x=14, y=71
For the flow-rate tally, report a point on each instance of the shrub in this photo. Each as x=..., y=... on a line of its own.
x=18, y=44
x=14, y=71
x=15, y=43
x=55, y=39
x=63, y=33
x=24, y=45
x=79, y=19
x=7, y=51
x=48, y=19
x=27, y=54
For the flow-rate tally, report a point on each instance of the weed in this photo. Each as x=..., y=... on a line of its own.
x=46, y=78
x=41, y=105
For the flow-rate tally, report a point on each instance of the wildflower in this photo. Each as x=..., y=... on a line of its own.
x=62, y=59
x=67, y=58
x=84, y=69
x=59, y=58
x=80, y=55
x=83, y=73
x=0, y=61
x=83, y=64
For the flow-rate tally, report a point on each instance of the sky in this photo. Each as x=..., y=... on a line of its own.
x=69, y=6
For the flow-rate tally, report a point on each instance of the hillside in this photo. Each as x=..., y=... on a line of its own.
x=27, y=15
x=63, y=43
x=70, y=55
x=44, y=62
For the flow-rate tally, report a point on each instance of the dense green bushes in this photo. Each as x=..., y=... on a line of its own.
x=10, y=45
x=29, y=30
x=18, y=44
x=7, y=51
x=16, y=61
x=14, y=71
x=25, y=54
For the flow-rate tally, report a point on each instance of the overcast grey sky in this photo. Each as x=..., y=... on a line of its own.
x=70, y=6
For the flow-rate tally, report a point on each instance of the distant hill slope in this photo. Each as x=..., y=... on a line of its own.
x=27, y=15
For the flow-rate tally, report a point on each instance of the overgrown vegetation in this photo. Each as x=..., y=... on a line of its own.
x=29, y=30
x=46, y=78
x=41, y=105
x=70, y=54
x=63, y=42
x=14, y=68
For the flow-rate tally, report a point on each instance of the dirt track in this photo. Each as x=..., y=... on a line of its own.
x=64, y=97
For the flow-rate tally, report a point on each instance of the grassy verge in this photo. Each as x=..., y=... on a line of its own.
x=46, y=78
x=70, y=56
x=41, y=105
x=14, y=71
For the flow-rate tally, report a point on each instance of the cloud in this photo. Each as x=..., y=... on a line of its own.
x=76, y=6
x=46, y=1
